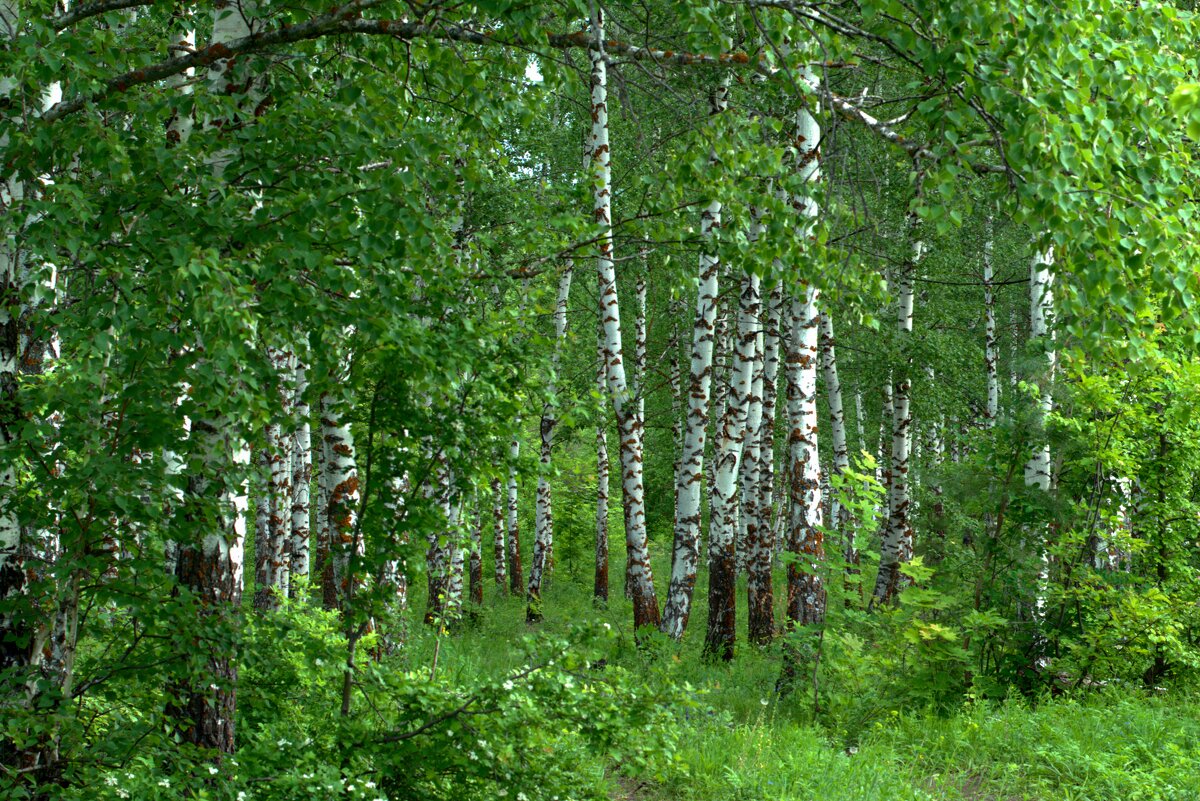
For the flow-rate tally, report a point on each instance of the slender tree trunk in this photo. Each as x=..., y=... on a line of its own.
x=897, y=545
x=839, y=514
x=685, y=553
x=216, y=503
x=750, y=474
x=516, y=576
x=722, y=575
x=806, y=589
x=262, y=513
x=322, y=513
x=676, y=310
x=760, y=550
x=722, y=348
x=443, y=556
x=936, y=447
x=1041, y=335
x=475, y=563
x=498, y=549
x=990, y=353
x=272, y=555
x=342, y=504
x=301, y=480
x=600, y=584
x=216, y=500
x=1037, y=468
x=645, y=601
x=544, y=536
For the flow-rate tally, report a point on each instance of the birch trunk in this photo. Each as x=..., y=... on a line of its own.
x=394, y=576
x=1041, y=337
x=806, y=589
x=544, y=536
x=272, y=554
x=600, y=582
x=342, y=505
x=216, y=503
x=760, y=546
x=637, y=382
x=936, y=447
x=475, y=565
x=516, y=576
x=675, y=312
x=322, y=513
x=897, y=545
x=722, y=574
x=262, y=511
x=839, y=515
x=645, y=601
x=1037, y=468
x=990, y=353
x=722, y=347
x=498, y=549
x=750, y=474
x=685, y=552
x=216, y=500
x=439, y=554
x=301, y=481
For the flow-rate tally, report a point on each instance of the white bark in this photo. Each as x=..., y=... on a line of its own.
x=342, y=502
x=897, y=545
x=990, y=354
x=500, y=571
x=838, y=514
x=272, y=553
x=641, y=578
x=301, y=479
x=685, y=553
x=806, y=591
x=750, y=473
x=1037, y=468
x=516, y=576
x=544, y=528
x=760, y=550
x=1041, y=335
x=600, y=584
x=727, y=458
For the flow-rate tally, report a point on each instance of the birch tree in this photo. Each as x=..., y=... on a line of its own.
x=805, y=541
x=685, y=553
x=600, y=579
x=544, y=538
x=897, y=545
x=760, y=546
x=722, y=573
x=645, y=600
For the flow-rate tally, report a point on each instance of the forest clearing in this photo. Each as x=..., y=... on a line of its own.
x=553, y=399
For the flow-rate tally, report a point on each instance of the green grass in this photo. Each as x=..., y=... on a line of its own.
x=747, y=744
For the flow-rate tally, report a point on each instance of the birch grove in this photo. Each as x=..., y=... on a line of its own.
x=321, y=265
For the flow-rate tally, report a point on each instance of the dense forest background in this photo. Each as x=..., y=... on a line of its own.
x=552, y=400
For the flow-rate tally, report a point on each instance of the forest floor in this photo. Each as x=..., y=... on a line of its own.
x=744, y=743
